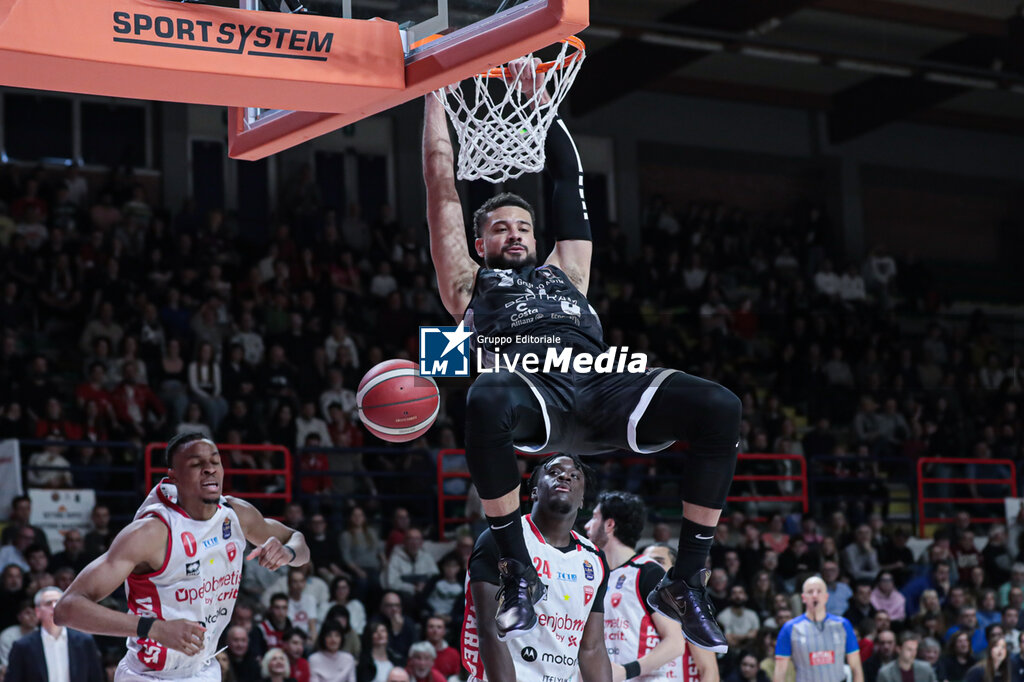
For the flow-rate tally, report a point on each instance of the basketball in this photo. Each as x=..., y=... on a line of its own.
x=397, y=404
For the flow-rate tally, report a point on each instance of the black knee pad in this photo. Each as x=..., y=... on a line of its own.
x=500, y=410
x=491, y=400
x=722, y=410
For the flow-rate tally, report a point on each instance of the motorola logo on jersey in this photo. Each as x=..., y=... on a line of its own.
x=529, y=654
x=212, y=618
x=558, y=659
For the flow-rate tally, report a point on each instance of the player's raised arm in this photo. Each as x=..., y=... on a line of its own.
x=570, y=222
x=456, y=269
x=593, y=659
x=142, y=544
x=276, y=543
x=493, y=653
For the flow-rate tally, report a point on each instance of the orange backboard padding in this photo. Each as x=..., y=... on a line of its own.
x=154, y=49
x=521, y=30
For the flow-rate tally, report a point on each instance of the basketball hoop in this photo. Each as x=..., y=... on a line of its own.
x=501, y=133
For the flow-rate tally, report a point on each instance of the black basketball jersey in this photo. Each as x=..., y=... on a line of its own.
x=527, y=309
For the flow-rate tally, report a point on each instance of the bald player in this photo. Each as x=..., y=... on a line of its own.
x=817, y=641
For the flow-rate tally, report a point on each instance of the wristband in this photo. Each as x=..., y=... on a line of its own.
x=292, y=551
x=144, y=626
x=632, y=670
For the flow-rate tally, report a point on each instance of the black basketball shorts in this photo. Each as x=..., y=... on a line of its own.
x=591, y=413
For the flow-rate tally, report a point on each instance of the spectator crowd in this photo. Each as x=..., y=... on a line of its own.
x=124, y=321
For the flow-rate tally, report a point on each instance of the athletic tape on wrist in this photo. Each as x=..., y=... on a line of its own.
x=632, y=670
x=144, y=626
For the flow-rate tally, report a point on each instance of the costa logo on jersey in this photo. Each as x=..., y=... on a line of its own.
x=588, y=594
x=225, y=528
x=616, y=599
x=232, y=551
x=588, y=570
x=188, y=541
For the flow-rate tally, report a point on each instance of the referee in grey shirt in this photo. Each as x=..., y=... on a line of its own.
x=817, y=642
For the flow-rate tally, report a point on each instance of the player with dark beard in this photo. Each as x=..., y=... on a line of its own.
x=510, y=297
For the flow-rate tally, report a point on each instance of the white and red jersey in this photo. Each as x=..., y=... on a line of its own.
x=576, y=577
x=629, y=631
x=198, y=581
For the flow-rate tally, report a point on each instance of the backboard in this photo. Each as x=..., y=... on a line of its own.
x=444, y=41
x=285, y=77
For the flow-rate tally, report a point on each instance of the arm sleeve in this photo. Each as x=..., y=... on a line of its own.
x=569, y=206
x=852, y=646
x=483, y=562
x=784, y=643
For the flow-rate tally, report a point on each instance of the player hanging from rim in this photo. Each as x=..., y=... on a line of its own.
x=567, y=412
x=571, y=640
x=181, y=563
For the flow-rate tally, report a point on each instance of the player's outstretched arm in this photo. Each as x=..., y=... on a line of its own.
x=142, y=543
x=456, y=269
x=276, y=543
x=593, y=659
x=493, y=652
x=570, y=224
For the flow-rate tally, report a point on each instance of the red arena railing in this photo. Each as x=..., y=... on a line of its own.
x=948, y=493
x=235, y=478
x=799, y=476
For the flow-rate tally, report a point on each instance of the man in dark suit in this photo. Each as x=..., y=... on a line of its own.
x=53, y=653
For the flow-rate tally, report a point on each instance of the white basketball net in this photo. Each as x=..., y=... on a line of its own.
x=501, y=133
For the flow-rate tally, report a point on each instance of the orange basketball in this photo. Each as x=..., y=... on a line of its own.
x=395, y=403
